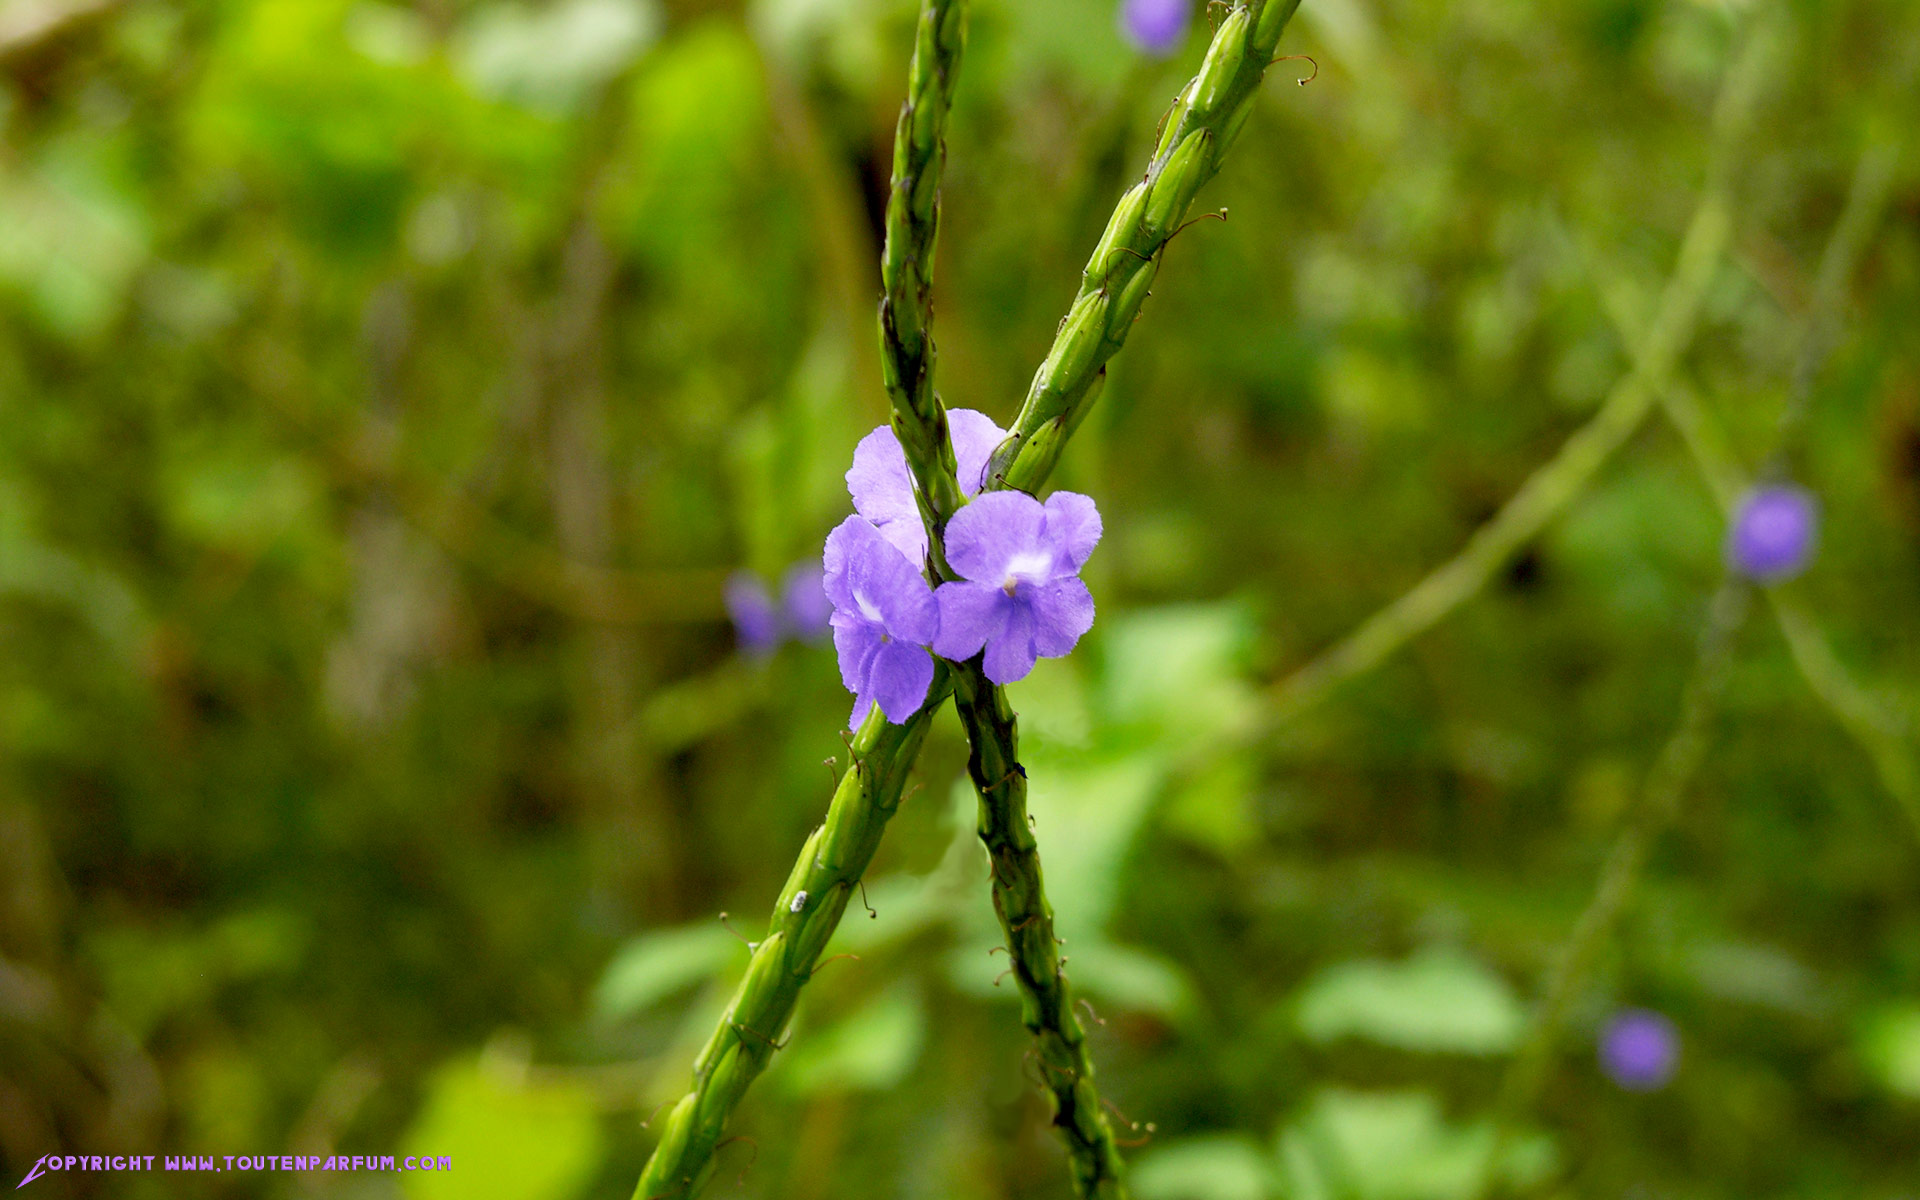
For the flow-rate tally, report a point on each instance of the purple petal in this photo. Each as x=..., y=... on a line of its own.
x=890, y=590
x=868, y=575
x=1073, y=528
x=975, y=437
x=862, y=705
x=899, y=680
x=856, y=640
x=1062, y=611
x=804, y=602
x=837, y=560
x=882, y=492
x=755, y=623
x=995, y=533
x=971, y=614
x=1010, y=655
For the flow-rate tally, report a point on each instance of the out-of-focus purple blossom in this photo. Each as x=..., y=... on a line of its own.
x=882, y=489
x=883, y=617
x=1773, y=532
x=1155, y=27
x=803, y=603
x=756, y=623
x=1021, y=597
x=1639, y=1050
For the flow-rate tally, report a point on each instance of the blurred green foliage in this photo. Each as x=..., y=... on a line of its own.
x=386, y=388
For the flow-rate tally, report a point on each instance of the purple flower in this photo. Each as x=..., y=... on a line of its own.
x=803, y=603
x=883, y=617
x=755, y=621
x=1773, y=532
x=1021, y=597
x=1155, y=27
x=882, y=488
x=1639, y=1050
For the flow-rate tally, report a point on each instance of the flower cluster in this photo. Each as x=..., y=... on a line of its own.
x=1019, y=596
x=761, y=625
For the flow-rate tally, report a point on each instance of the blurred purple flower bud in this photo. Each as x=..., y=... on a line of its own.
x=1639, y=1050
x=804, y=603
x=756, y=623
x=1773, y=533
x=1155, y=27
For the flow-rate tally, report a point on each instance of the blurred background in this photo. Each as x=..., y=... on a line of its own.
x=388, y=392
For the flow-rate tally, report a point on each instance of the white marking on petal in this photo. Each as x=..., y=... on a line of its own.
x=1030, y=566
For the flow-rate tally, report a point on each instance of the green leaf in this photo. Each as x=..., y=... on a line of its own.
x=153, y=973
x=699, y=111
x=872, y=1050
x=1213, y=808
x=1053, y=706
x=508, y=1139
x=655, y=965
x=1179, y=670
x=73, y=198
x=1131, y=979
x=1397, y=1146
x=550, y=58
x=1439, y=1000
x=1215, y=1167
x=1756, y=974
x=1890, y=1046
x=234, y=498
x=1078, y=39
x=1087, y=817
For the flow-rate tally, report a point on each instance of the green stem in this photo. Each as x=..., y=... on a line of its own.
x=1204, y=121
x=836, y=856
x=1654, y=807
x=1208, y=114
x=830, y=866
x=1194, y=137
x=1556, y=484
x=1882, y=734
x=1026, y=919
x=906, y=267
x=1543, y=497
x=920, y=422
x=1673, y=770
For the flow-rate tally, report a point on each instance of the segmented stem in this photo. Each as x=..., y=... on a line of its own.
x=1194, y=137
x=836, y=856
x=1203, y=122
x=920, y=422
x=906, y=266
x=808, y=911
x=1020, y=901
x=1209, y=113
